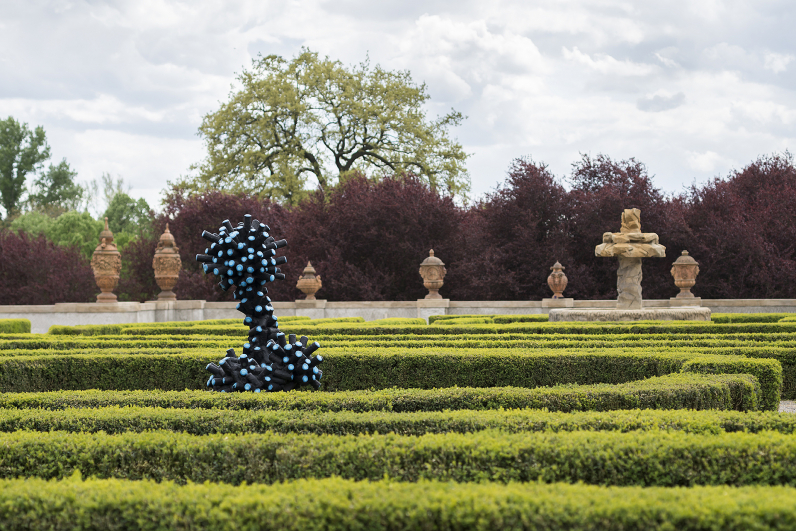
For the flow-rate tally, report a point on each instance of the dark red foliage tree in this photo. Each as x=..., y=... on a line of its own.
x=513, y=236
x=367, y=238
x=601, y=190
x=188, y=216
x=743, y=231
x=34, y=270
x=137, y=278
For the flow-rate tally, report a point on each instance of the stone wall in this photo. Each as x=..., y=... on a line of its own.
x=42, y=317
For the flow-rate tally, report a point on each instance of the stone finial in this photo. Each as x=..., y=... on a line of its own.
x=685, y=270
x=630, y=245
x=309, y=283
x=433, y=271
x=631, y=221
x=557, y=280
x=167, y=265
x=106, y=263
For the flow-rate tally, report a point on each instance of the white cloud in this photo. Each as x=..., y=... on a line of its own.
x=777, y=62
x=686, y=87
x=607, y=65
x=704, y=162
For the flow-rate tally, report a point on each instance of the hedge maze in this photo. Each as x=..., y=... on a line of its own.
x=470, y=422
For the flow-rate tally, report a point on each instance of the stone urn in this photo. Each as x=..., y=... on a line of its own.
x=106, y=263
x=309, y=283
x=167, y=265
x=433, y=271
x=685, y=270
x=557, y=280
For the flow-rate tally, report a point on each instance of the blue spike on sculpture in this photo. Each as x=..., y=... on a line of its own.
x=269, y=361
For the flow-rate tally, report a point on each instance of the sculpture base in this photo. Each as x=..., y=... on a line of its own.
x=644, y=314
x=166, y=296
x=107, y=297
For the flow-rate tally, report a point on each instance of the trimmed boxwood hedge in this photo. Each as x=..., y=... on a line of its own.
x=381, y=369
x=642, y=458
x=115, y=419
x=14, y=326
x=338, y=505
x=689, y=390
x=364, y=329
x=677, y=391
x=345, y=328
x=749, y=317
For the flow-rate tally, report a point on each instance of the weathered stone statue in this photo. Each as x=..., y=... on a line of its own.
x=630, y=245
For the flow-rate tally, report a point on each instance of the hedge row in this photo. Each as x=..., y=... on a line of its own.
x=115, y=419
x=750, y=317
x=680, y=391
x=653, y=393
x=14, y=326
x=338, y=504
x=385, y=368
x=113, y=329
x=40, y=341
x=210, y=349
x=643, y=458
x=374, y=329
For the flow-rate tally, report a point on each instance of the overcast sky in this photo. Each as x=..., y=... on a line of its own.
x=691, y=88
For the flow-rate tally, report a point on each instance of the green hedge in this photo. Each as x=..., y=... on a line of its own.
x=642, y=458
x=213, y=347
x=115, y=419
x=14, y=326
x=687, y=390
x=362, y=329
x=767, y=371
x=749, y=317
x=434, y=318
x=678, y=391
x=464, y=321
x=534, y=318
x=338, y=505
x=376, y=369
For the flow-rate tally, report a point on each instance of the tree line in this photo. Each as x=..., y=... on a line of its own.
x=345, y=164
x=367, y=237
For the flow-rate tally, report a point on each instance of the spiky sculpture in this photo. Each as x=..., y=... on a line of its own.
x=244, y=257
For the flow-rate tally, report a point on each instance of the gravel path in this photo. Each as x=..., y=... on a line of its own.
x=787, y=406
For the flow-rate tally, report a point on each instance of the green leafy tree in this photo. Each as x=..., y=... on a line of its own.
x=34, y=223
x=313, y=117
x=126, y=214
x=56, y=190
x=72, y=229
x=77, y=230
x=22, y=151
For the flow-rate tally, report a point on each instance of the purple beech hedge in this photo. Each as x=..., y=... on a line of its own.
x=366, y=238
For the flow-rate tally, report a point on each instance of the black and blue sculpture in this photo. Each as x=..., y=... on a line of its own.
x=244, y=258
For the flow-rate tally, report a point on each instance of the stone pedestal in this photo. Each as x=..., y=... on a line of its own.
x=628, y=284
x=558, y=303
x=428, y=307
x=674, y=302
x=644, y=314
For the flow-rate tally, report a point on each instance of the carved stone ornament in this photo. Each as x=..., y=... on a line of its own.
x=433, y=271
x=309, y=283
x=685, y=270
x=557, y=280
x=106, y=263
x=630, y=245
x=167, y=265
